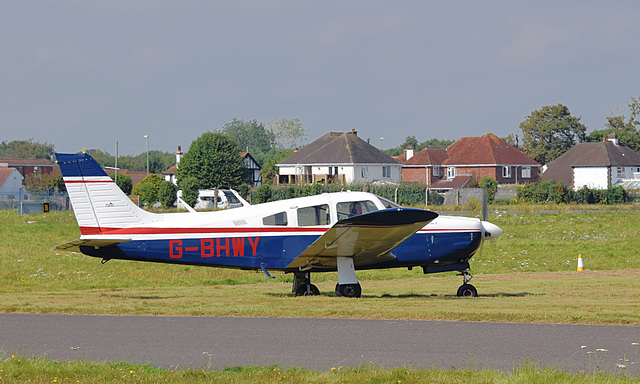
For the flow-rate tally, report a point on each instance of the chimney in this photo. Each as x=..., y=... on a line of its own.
x=614, y=139
x=179, y=155
x=408, y=153
x=354, y=132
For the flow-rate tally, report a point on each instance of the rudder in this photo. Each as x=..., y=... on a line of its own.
x=98, y=203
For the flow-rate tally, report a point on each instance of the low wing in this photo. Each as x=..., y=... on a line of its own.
x=368, y=238
x=97, y=243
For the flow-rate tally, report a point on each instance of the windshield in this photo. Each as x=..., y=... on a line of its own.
x=388, y=203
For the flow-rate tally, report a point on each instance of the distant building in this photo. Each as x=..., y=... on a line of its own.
x=341, y=158
x=27, y=166
x=469, y=158
x=594, y=165
x=10, y=183
x=252, y=177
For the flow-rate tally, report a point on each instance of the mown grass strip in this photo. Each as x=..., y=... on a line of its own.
x=18, y=369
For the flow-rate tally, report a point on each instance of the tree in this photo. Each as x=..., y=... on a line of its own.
x=39, y=182
x=167, y=193
x=147, y=189
x=288, y=133
x=410, y=141
x=189, y=187
x=26, y=149
x=124, y=182
x=625, y=128
x=549, y=132
x=214, y=160
x=249, y=135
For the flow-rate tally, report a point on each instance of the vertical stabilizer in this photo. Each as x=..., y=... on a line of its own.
x=98, y=203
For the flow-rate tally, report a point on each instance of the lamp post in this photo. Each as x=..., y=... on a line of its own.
x=147, y=137
x=381, y=139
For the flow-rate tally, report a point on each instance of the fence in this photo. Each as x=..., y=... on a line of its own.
x=33, y=203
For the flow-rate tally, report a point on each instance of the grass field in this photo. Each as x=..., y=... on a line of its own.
x=18, y=369
x=526, y=275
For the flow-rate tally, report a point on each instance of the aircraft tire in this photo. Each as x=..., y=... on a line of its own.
x=303, y=291
x=348, y=290
x=467, y=290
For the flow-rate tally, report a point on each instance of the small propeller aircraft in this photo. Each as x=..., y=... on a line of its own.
x=342, y=231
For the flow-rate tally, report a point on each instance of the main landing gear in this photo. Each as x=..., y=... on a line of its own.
x=302, y=285
x=347, y=286
x=466, y=289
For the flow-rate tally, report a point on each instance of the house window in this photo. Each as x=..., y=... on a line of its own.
x=436, y=171
x=364, y=171
x=451, y=172
x=620, y=172
x=506, y=172
x=526, y=172
x=386, y=171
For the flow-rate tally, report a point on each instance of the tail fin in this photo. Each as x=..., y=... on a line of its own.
x=98, y=203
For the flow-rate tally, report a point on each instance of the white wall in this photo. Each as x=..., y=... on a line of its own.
x=592, y=177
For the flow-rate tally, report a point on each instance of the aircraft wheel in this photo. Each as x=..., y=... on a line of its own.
x=348, y=290
x=467, y=290
x=310, y=290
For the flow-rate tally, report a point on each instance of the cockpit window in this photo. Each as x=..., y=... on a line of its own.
x=316, y=215
x=388, y=203
x=354, y=208
x=231, y=198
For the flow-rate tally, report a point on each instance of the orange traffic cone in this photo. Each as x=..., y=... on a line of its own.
x=580, y=263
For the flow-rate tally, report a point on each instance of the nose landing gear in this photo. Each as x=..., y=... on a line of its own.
x=466, y=289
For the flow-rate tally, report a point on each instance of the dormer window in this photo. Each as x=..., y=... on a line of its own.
x=451, y=172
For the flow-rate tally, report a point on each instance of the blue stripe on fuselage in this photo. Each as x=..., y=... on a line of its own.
x=277, y=252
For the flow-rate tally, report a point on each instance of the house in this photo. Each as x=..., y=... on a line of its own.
x=253, y=176
x=470, y=159
x=27, y=166
x=10, y=183
x=339, y=157
x=425, y=167
x=594, y=165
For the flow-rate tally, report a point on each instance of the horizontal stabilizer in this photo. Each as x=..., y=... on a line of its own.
x=97, y=243
x=368, y=238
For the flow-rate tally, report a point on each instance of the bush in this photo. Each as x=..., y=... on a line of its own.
x=147, y=189
x=167, y=194
x=492, y=187
x=190, y=190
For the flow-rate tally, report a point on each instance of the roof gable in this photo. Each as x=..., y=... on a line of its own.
x=428, y=156
x=5, y=173
x=339, y=148
x=488, y=149
x=601, y=154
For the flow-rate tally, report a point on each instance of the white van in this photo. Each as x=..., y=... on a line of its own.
x=227, y=198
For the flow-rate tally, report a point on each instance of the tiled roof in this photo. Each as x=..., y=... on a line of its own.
x=487, y=150
x=5, y=173
x=456, y=182
x=428, y=156
x=601, y=154
x=171, y=170
x=338, y=148
x=26, y=162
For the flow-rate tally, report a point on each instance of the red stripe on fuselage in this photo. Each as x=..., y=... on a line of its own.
x=166, y=231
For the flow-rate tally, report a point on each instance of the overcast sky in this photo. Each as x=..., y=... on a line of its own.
x=79, y=73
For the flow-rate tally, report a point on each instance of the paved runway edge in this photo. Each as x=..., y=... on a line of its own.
x=319, y=344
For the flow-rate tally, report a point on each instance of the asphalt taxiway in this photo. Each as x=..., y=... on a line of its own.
x=319, y=344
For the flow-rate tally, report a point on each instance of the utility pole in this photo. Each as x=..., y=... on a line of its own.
x=147, y=137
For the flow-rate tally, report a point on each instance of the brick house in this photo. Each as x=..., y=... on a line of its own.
x=468, y=160
x=28, y=166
